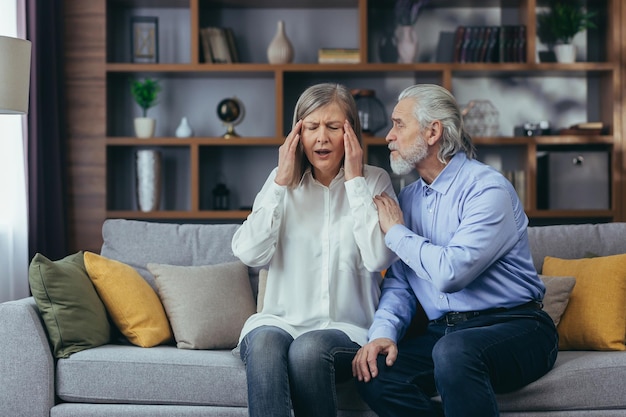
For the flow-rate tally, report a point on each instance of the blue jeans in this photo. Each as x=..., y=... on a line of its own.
x=284, y=372
x=467, y=364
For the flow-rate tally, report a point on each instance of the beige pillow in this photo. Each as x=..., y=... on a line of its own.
x=131, y=302
x=207, y=305
x=595, y=318
x=557, y=294
x=261, y=293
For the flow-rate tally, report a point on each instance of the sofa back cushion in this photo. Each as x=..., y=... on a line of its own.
x=137, y=243
x=576, y=241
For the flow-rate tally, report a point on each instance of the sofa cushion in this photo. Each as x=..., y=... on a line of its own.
x=576, y=241
x=136, y=243
x=206, y=305
x=556, y=298
x=70, y=307
x=164, y=375
x=132, y=304
x=579, y=380
x=595, y=318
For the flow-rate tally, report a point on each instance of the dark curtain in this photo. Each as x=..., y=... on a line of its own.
x=46, y=131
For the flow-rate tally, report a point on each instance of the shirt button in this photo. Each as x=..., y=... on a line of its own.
x=441, y=296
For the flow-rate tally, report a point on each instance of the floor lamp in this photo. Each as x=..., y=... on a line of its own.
x=14, y=75
x=14, y=85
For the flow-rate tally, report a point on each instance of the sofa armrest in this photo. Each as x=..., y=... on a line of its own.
x=26, y=362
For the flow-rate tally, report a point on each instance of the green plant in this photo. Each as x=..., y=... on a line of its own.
x=563, y=21
x=145, y=93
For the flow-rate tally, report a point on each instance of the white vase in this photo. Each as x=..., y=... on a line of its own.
x=148, y=166
x=280, y=50
x=144, y=127
x=406, y=39
x=565, y=53
x=184, y=129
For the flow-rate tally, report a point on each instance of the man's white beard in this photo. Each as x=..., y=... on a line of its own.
x=401, y=165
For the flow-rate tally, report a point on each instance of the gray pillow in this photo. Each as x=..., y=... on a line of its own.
x=208, y=305
x=558, y=290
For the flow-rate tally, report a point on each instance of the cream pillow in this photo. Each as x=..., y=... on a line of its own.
x=207, y=305
x=132, y=304
x=261, y=293
x=595, y=317
x=558, y=290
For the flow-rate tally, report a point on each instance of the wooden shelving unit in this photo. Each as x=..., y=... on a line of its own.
x=280, y=85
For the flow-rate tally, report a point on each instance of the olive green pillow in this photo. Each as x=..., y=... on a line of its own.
x=72, y=312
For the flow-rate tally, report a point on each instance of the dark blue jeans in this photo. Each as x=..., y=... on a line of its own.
x=467, y=364
x=283, y=372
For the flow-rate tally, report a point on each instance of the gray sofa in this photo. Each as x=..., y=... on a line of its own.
x=125, y=380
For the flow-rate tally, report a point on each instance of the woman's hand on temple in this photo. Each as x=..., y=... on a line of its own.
x=287, y=156
x=353, y=162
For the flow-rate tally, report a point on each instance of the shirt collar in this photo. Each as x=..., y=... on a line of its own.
x=308, y=176
x=446, y=177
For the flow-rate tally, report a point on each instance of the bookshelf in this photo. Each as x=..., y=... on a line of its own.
x=586, y=91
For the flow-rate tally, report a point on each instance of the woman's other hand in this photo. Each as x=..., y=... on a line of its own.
x=353, y=163
x=287, y=156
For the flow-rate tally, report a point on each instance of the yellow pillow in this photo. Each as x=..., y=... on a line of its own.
x=595, y=317
x=130, y=301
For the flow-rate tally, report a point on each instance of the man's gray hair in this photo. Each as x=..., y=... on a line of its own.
x=433, y=102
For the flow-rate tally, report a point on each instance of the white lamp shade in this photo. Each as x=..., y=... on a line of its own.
x=14, y=75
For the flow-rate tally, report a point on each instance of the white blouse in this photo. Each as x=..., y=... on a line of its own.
x=325, y=251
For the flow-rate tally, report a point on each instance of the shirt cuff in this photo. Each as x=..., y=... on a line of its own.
x=395, y=235
x=358, y=193
x=380, y=332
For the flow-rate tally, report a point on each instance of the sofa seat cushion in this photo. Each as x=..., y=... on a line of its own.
x=580, y=380
x=158, y=375
x=163, y=375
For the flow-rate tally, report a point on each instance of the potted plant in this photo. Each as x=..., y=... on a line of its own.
x=406, y=13
x=145, y=94
x=558, y=26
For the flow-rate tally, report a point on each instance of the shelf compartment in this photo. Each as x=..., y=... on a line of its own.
x=242, y=169
x=121, y=178
x=197, y=99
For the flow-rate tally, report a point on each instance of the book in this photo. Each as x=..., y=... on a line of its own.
x=206, y=45
x=232, y=45
x=588, y=125
x=219, y=45
x=338, y=55
x=459, y=37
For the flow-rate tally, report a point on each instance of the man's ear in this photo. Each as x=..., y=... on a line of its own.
x=434, y=132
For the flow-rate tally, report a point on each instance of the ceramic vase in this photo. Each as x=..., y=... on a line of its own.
x=565, y=53
x=184, y=129
x=406, y=40
x=144, y=127
x=148, y=166
x=280, y=49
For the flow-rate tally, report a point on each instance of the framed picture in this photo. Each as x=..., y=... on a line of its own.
x=144, y=39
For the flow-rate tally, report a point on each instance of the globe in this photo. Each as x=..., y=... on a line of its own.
x=228, y=110
x=231, y=112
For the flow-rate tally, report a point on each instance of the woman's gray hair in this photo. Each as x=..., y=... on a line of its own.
x=433, y=102
x=313, y=98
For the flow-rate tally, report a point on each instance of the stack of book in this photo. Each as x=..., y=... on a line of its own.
x=490, y=43
x=338, y=56
x=218, y=45
x=586, y=128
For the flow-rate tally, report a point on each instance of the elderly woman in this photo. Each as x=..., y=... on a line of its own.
x=316, y=225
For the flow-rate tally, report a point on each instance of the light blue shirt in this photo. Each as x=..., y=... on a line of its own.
x=464, y=248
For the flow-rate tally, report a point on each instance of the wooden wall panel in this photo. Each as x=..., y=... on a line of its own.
x=85, y=94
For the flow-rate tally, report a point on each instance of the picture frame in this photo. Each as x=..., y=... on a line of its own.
x=144, y=32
